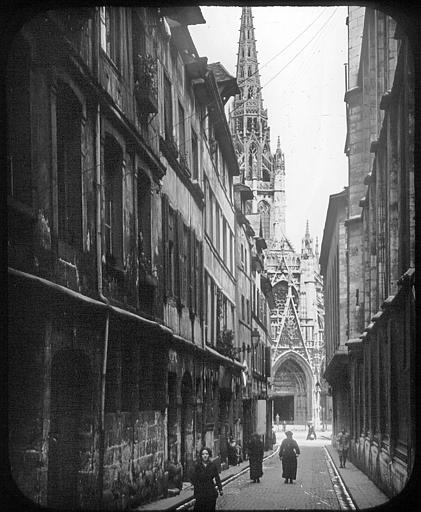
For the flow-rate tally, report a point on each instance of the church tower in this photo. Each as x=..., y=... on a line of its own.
x=251, y=133
x=297, y=318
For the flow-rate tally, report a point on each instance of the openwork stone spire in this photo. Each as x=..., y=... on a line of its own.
x=249, y=118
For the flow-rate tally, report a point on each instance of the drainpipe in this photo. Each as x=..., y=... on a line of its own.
x=101, y=454
x=104, y=299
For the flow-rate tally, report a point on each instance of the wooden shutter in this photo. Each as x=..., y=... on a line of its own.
x=165, y=248
x=200, y=289
x=268, y=362
x=179, y=257
x=190, y=271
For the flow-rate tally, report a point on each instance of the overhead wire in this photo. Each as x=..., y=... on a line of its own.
x=285, y=47
x=270, y=80
x=302, y=49
x=305, y=61
x=289, y=62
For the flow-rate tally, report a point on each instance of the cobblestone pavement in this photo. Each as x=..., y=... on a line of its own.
x=312, y=490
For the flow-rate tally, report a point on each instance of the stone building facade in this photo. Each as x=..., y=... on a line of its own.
x=121, y=247
x=333, y=264
x=379, y=244
x=299, y=392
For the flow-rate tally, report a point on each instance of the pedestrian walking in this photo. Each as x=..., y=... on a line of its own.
x=232, y=452
x=239, y=450
x=342, y=443
x=277, y=422
x=273, y=437
x=311, y=433
x=284, y=426
x=205, y=479
x=255, y=450
x=288, y=453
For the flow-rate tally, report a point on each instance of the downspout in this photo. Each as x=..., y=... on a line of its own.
x=104, y=299
x=101, y=454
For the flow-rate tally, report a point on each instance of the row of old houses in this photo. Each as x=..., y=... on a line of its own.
x=368, y=256
x=139, y=324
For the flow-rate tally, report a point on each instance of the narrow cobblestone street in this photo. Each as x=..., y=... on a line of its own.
x=313, y=488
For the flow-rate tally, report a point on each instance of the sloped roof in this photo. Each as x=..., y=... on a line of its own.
x=255, y=222
x=225, y=81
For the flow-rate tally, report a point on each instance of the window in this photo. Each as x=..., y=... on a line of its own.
x=111, y=32
x=243, y=313
x=218, y=230
x=248, y=52
x=144, y=216
x=185, y=272
x=195, y=156
x=208, y=196
x=19, y=181
x=181, y=130
x=248, y=310
x=113, y=207
x=168, y=118
x=224, y=234
x=232, y=252
x=139, y=46
x=171, y=251
x=249, y=72
x=264, y=210
x=242, y=254
x=69, y=170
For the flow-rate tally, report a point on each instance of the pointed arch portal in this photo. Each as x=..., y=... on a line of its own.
x=292, y=389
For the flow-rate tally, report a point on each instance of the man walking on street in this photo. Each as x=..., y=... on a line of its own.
x=342, y=442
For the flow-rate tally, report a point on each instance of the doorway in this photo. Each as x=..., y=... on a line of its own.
x=187, y=443
x=284, y=406
x=172, y=422
x=70, y=416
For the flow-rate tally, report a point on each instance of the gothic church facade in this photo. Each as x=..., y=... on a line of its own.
x=298, y=392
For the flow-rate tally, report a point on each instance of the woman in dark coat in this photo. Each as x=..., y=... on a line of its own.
x=255, y=449
x=288, y=453
x=204, y=478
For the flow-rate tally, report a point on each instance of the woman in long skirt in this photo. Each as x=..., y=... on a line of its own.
x=205, y=478
x=288, y=453
x=255, y=450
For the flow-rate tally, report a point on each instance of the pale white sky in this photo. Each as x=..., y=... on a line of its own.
x=305, y=101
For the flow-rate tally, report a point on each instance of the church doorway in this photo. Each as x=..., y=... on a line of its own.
x=284, y=406
x=292, y=390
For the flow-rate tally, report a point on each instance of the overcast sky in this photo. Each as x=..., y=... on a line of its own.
x=304, y=95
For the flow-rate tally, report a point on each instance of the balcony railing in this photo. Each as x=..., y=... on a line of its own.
x=224, y=343
x=146, y=84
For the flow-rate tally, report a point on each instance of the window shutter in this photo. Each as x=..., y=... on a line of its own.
x=268, y=362
x=185, y=259
x=165, y=248
x=179, y=257
x=190, y=271
x=199, y=279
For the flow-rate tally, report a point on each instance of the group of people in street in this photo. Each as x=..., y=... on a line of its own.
x=206, y=480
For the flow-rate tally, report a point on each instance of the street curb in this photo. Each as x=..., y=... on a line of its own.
x=341, y=490
x=190, y=501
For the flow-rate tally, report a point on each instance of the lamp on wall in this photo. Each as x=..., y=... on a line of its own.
x=255, y=337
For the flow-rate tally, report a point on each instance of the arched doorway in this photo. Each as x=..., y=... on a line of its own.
x=172, y=422
x=187, y=441
x=70, y=417
x=292, y=386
